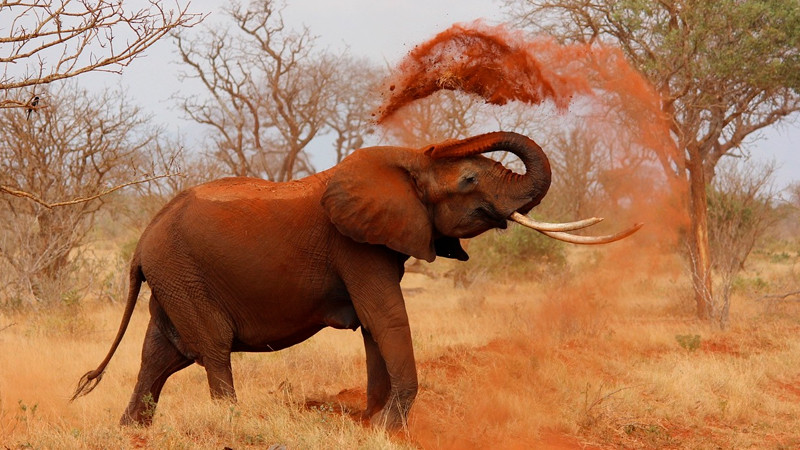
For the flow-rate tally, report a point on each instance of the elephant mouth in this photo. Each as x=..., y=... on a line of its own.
x=492, y=217
x=559, y=230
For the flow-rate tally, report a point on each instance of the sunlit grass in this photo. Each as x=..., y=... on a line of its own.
x=578, y=358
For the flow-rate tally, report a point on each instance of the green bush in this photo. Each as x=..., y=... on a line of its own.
x=515, y=251
x=690, y=342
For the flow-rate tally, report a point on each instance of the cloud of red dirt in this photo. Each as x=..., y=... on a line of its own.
x=594, y=87
x=491, y=62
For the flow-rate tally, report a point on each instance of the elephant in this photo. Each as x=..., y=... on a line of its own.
x=247, y=265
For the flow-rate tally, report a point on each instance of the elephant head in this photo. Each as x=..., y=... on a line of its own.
x=420, y=202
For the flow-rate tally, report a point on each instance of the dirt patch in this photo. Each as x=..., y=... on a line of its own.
x=465, y=400
x=721, y=346
x=789, y=391
x=139, y=441
x=349, y=402
x=449, y=366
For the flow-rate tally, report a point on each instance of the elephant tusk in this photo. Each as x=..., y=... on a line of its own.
x=546, y=226
x=592, y=240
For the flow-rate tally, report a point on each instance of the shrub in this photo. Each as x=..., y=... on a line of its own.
x=516, y=251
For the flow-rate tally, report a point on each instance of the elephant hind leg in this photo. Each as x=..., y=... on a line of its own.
x=160, y=359
x=220, y=377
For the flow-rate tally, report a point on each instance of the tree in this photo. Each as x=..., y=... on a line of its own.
x=271, y=92
x=576, y=181
x=47, y=40
x=444, y=115
x=740, y=210
x=350, y=121
x=724, y=70
x=78, y=147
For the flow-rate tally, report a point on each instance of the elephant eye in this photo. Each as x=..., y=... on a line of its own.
x=468, y=182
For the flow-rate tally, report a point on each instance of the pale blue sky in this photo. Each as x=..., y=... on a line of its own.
x=383, y=31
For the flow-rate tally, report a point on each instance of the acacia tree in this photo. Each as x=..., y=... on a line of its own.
x=271, y=92
x=724, y=70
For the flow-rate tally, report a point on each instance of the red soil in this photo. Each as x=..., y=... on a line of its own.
x=452, y=411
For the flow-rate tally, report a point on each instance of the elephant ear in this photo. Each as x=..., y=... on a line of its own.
x=372, y=199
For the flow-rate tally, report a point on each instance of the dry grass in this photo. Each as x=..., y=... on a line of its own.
x=571, y=361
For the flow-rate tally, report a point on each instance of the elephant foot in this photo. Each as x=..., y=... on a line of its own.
x=392, y=417
x=135, y=420
x=139, y=413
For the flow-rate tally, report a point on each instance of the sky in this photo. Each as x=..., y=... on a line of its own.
x=383, y=31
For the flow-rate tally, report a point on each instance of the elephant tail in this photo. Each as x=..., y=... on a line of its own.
x=90, y=380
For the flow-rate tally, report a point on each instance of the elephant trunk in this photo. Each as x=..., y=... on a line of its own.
x=530, y=186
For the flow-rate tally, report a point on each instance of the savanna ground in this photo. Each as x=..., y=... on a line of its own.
x=604, y=352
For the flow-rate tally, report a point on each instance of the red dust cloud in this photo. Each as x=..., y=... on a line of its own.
x=594, y=89
x=486, y=61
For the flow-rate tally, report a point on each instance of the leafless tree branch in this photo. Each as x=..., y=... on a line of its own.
x=270, y=93
x=51, y=205
x=82, y=36
x=781, y=296
x=48, y=40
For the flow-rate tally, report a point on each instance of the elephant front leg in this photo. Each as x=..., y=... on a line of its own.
x=391, y=372
x=378, y=382
x=396, y=349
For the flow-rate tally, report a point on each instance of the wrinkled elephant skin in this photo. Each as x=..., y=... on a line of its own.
x=242, y=264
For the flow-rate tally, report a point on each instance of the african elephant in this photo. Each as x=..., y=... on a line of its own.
x=243, y=264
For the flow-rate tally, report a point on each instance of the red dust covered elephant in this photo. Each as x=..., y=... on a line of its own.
x=243, y=264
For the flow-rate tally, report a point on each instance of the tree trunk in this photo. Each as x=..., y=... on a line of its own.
x=700, y=257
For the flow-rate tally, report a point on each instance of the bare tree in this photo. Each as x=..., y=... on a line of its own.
x=444, y=115
x=167, y=155
x=740, y=210
x=355, y=99
x=271, y=92
x=576, y=169
x=44, y=41
x=79, y=147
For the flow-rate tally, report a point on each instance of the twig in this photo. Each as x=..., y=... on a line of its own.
x=35, y=198
x=780, y=296
x=600, y=400
x=7, y=326
x=12, y=104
